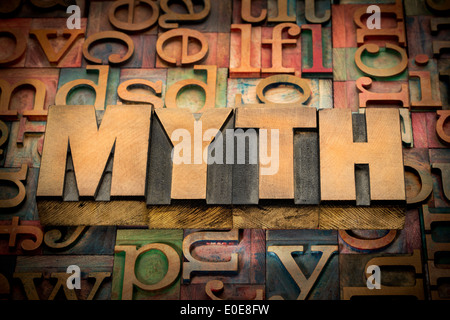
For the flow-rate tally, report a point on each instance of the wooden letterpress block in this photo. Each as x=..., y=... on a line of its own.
x=142, y=86
x=5, y=129
x=192, y=98
x=18, y=193
x=155, y=260
x=101, y=13
x=207, y=16
x=439, y=161
x=217, y=53
x=249, y=11
x=433, y=139
x=345, y=95
x=436, y=242
x=420, y=33
x=405, y=240
x=444, y=82
x=314, y=11
x=345, y=30
x=280, y=52
x=401, y=275
x=25, y=144
x=104, y=79
x=235, y=258
x=20, y=237
x=44, y=277
x=316, y=51
x=245, y=51
x=302, y=264
x=27, y=93
x=51, y=44
x=320, y=98
x=416, y=8
x=15, y=43
x=345, y=68
x=418, y=179
x=419, y=125
x=424, y=83
x=80, y=240
x=43, y=9
x=279, y=11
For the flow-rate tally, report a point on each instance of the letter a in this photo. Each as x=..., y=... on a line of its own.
x=374, y=21
x=74, y=21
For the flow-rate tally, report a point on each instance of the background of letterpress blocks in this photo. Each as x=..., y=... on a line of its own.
x=259, y=272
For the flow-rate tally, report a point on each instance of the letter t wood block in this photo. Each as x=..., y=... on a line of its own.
x=279, y=183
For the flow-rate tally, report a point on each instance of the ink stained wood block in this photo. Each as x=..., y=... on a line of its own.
x=404, y=240
x=142, y=85
x=204, y=16
x=25, y=143
x=79, y=240
x=434, y=142
x=51, y=44
x=27, y=93
x=444, y=82
x=20, y=237
x=249, y=11
x=43, y=277
x=317, y=52
x=419, y=125
x=302, y=264
x=436, y=242
x=191, y=97
x=418, y=179
x=316, y=11
x=235, y=257
x=104, y=17
x=321, y=93
x=424, y=83
x=402, y=275
x=421, y=37
x=245, y=51
x=21, y=191
x=41, y=9
x=345, y=67
x=103, y=79
x=345, y=29
x=439, y=159
x=279, y=58
x=218, y=49
x=345, y=95
x=147, y=264
x=14, y=36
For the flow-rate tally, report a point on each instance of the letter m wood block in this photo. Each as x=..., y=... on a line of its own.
x=85, y=163
x=361, y=163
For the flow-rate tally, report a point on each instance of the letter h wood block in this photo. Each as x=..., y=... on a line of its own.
x=361, y=163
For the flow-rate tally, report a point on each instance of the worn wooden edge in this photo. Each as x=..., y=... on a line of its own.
x=194, y=215
x=345, y=217
x=275, y=217
x=92, y=213
x=190, y=215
